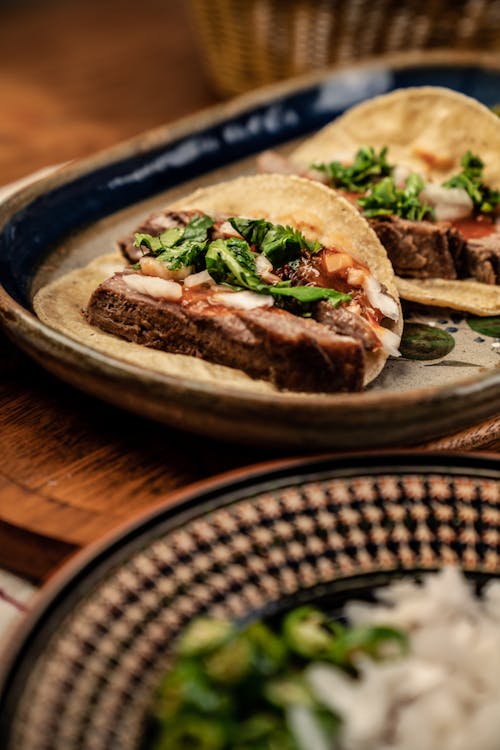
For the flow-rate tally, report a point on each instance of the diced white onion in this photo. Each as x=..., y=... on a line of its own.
x=306, y=729
x=243, y=300
x=265, y=269
x=263, y=264
x=335, y=262
x=379, y=300
x=390, y=341
x=355, y=277
x=401, y=174
x=153, y=267
x=330, y=686
x=153, y=286
x=197, y=279
x=338, y=692
x=449, y=204
x=228, y=230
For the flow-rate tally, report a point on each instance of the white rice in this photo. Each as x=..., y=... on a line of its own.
x=443, y=695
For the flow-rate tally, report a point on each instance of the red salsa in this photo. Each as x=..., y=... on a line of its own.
x=475, y=227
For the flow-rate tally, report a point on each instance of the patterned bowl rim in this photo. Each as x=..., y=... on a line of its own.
x=179, y=507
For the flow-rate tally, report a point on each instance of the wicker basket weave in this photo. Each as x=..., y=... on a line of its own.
x=249, y=43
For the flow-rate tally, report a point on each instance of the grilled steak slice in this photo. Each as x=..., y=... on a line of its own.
x=420, y=249
x=346, y=323
x=306, y=271
x=292, y=352
x=155, y=225
x=482, y=259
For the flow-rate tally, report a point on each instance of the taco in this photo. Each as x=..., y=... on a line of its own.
x=274, y=276
x=423, y=167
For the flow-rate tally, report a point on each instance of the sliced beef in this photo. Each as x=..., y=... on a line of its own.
x=420, y=249
x=305, y=271
x=294, y=353
x=482, y=259
x=155, y=225
x=423, y=250
x=346, y=323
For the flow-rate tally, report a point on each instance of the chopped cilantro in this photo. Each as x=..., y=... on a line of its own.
x=197, y=228
x=278, y=243
x=367, y=168
x=179, y=246
x=385, y=199
x=232, y=262
x=484, y=199
x=159, y=243
x=307, y=294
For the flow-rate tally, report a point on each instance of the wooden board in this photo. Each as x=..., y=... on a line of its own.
x=73, y=468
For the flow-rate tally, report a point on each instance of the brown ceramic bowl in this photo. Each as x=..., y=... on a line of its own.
x=82, y=670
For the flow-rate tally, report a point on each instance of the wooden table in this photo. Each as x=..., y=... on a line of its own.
x=76, y=77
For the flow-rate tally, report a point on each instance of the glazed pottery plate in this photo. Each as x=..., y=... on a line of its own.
x=81, y=673
x=447, y=378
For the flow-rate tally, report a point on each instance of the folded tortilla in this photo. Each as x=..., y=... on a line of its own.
x=427, y=129
x=315, y=210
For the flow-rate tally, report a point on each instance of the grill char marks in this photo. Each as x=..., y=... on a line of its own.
x=298, y=354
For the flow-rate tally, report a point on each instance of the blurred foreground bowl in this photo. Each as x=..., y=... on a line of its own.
x=82, y=670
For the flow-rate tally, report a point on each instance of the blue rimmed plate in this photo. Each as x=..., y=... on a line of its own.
x=448, y=378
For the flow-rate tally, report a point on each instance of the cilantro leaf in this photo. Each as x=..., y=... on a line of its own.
x=197, y=229
x=186, y=254
x=307, y=294
x=385, y=199
x=280, y=244
x=252, y=230
x=154, y=244
x=232, y=262
x=367, y=168
x=179, y=246
x=485, y=199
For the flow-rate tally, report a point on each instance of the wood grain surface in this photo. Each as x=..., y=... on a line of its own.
x=74, y=78
x=78, y=76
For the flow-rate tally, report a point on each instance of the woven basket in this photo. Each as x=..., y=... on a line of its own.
x=249, y=43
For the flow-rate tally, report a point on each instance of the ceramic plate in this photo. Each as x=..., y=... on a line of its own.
x=82, y=672
x=447, y=379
